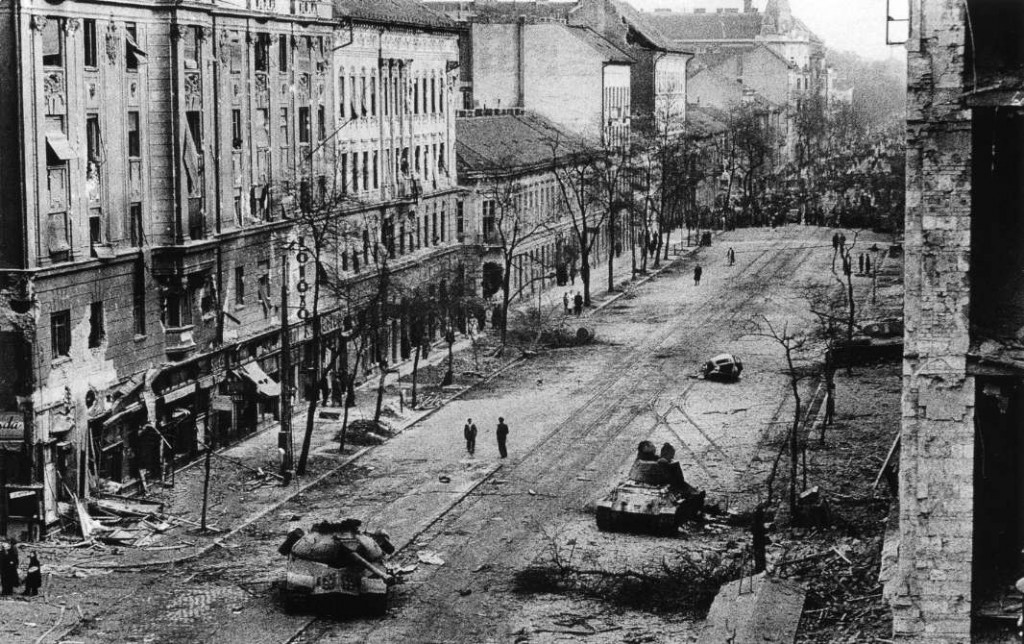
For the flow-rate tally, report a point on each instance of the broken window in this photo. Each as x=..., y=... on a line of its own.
x=261, y=59
x=132, y=51
x=190, y=47
x=193, y=147
x=53, y=47
x=96, y=331
x=282, y=53
x=135, y=223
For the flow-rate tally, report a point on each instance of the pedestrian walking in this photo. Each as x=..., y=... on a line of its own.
x=502, y=437
x=565, y=302
x=731, y=254
x=469, y=431
x=697, y=272
x=842, y=242
x=835, y=241
x=577, y=303
x=572, y=275
x=830, y=404
x=34, y=577
x=8, y=568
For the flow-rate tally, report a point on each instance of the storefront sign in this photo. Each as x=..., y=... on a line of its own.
x=221, y=403
x=12, y=426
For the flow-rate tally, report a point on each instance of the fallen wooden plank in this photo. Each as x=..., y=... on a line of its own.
x=128, y=508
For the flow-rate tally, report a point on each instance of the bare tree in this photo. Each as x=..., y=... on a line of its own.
x=513, y=225
x=752, y=144
x=577, y=171
x=791, y=344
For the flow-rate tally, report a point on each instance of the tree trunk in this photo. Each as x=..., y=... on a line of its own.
x=415, y=368
x=380, y=390
x=611, y=255
x=585, y=277
x=300, y=469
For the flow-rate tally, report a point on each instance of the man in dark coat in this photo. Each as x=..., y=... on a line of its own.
x=34, y=577
x=469, y=431
x=697, y=272
x=502, y=436
x=577, y=304
x=8, y=567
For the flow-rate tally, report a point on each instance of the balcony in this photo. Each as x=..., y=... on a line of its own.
x=172, y=263
x=178, y=342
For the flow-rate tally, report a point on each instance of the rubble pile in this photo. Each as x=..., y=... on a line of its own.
x=122, y=521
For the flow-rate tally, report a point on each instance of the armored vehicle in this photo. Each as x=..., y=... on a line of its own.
x=337, y=566
x=654, y=497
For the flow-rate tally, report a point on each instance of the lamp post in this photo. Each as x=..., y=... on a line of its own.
x=874, y=250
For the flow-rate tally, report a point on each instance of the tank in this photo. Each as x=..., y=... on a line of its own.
x=655, y=497
x=337, y=566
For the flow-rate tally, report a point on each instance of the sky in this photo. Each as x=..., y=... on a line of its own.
x=851, y=25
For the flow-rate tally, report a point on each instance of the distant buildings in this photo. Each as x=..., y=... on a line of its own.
x=536, y=55
x=961, y=523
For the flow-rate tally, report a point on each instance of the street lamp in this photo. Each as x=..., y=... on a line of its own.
x=874, y=250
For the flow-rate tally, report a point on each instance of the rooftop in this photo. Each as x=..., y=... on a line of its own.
x=685, y=27
x=403, y=13
x=509, y=141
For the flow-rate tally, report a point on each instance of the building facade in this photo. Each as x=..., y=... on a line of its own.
x=961, y=528
x=505, y=163
x=159, y=157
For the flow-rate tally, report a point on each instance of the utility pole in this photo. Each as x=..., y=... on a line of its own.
x=284, y=440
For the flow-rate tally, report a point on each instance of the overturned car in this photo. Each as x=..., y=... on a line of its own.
x=724, y=366
x=654, y=497
x=337, y=566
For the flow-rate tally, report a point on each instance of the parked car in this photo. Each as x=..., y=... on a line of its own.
x=724, y=366
x=884, y=328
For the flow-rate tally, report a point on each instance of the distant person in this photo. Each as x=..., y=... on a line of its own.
x=572, y=275
x=565, y=302
x=697, y=272
x=34, y=576
x=502, y=435
x=8, y=568
x=731, y=254
x=469, y=431
x=577, y=303
x=860, y=264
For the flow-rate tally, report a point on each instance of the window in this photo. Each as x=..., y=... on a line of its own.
x=366, y=171
x=60, y=333
x=441, y=166
x=190, y=47
x=239, y=285
x=282, y=53
x=460, y=220
x=283, y=126
x=262, y=129
x=52, y=45
x=89, y=38
x=342, y=114
x=304, y=125
x=416, y=158
x=131, y=49
x=134, y=143
x=444, y=219
x=433, y=95
x=96, y=331
x=344, y=173
x=355, y=172
x=261, y=59
x=415, y=97
x=178, y=307
x=236, y=129
x=263, y=287
x=321, y=123
x=135, y=223
x=139, y=291
x=376, y=175
x=95, y=228
x=92, y=138
x=373, y=96
x=236, y=57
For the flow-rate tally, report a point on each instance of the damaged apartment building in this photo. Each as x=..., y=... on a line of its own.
x=155, y=157
x=961, y=521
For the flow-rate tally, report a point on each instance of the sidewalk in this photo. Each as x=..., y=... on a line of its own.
x=239, y=495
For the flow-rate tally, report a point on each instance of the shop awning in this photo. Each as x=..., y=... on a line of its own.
x=60, y=146
x=265, y=385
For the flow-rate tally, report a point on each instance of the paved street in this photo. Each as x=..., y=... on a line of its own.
x=575, y=415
